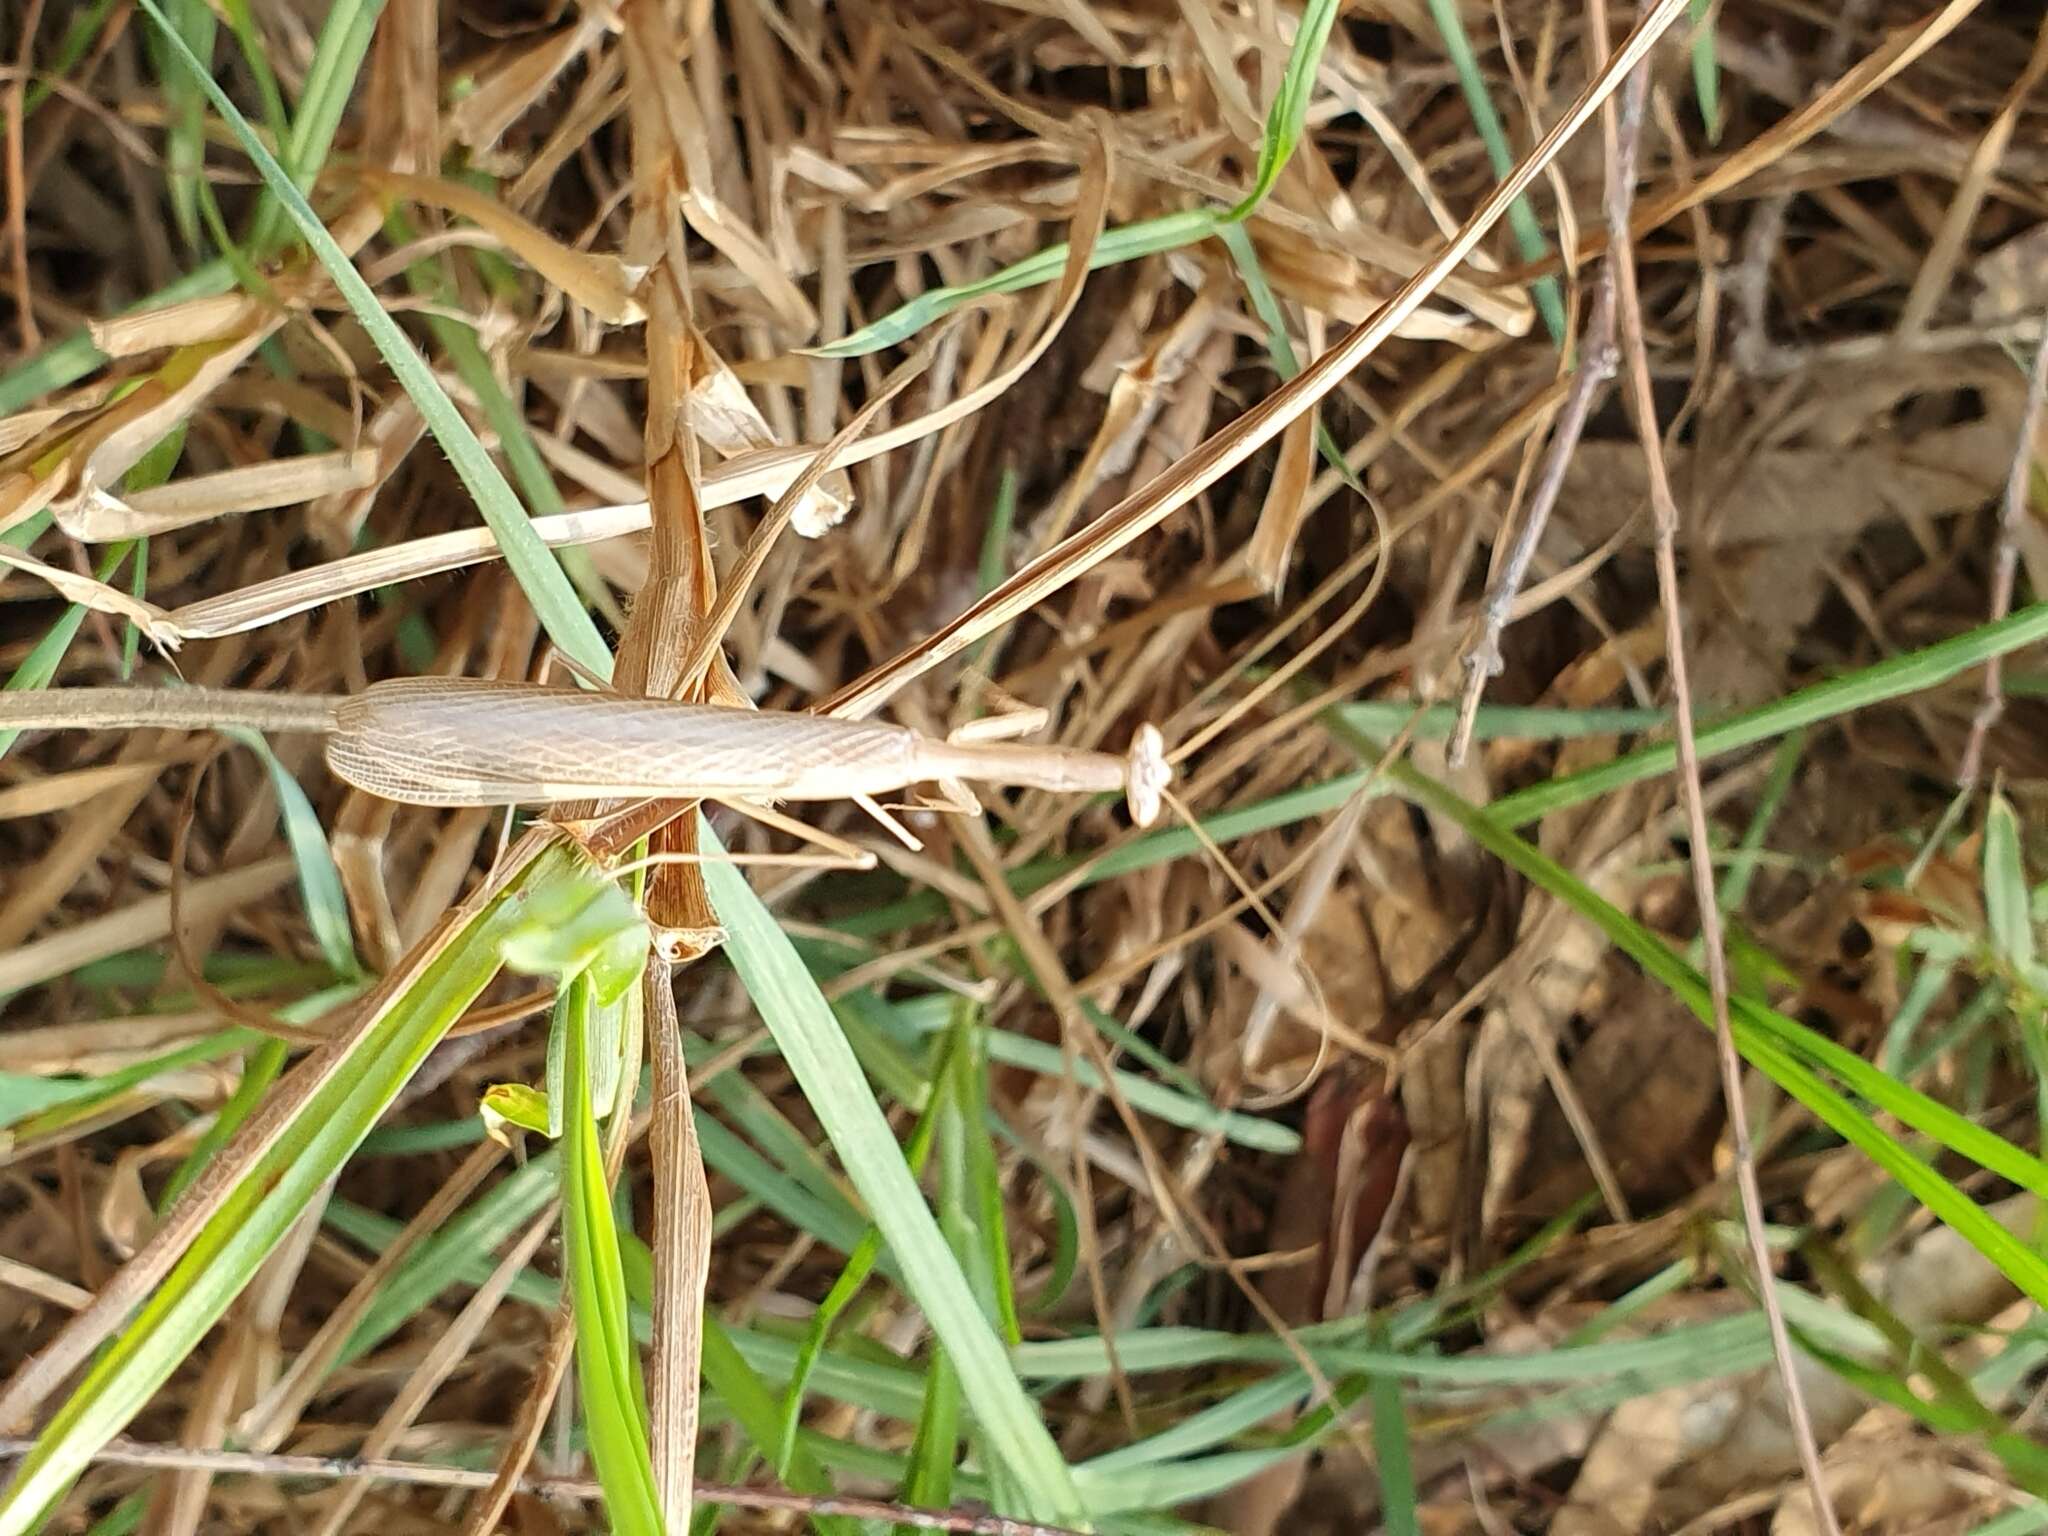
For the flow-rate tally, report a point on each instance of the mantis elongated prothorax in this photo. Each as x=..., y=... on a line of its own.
x=456, y=742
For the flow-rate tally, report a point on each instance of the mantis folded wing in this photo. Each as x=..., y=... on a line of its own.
x=458, y=742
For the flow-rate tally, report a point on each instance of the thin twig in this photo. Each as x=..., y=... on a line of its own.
x=1753, y=350
x=1665, y=508
x=1596, y=367
x=2005, y=563
x=130, y=1453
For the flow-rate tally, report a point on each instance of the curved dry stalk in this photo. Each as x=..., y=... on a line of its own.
x=1620, y=175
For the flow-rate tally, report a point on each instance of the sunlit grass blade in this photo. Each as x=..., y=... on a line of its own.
x=309, y=1150
x=613, y=1397
x=801, y=1021
x=532, y=563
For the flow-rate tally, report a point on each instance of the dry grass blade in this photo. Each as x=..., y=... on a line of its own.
x=141, y=922
x=601, y=284
x=682, y=1255
x=1145, y=508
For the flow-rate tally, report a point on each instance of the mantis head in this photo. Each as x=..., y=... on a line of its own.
x=1146, y=775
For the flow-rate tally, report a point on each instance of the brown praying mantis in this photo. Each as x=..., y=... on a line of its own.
x=462, y=742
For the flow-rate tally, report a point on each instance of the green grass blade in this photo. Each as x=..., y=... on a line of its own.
x=1279, y=345
x=194, y=25
x=860, y=1264
x=319, y=879
x=1912, y=672
x=1126, y=242
x=66, y=56
x=1783, y=1050
x=1285, y=121
x=309, y=1151
x=338, y=56
x=1734, y=892
x=1395, y=1457
x=2008, y=904
x=797, y=1015
x=979, y=1179
x=1287, y=118
x=746, y=1396
x=1521, y=217
x=613, y=1398
x=67, y=361
x=1498, y=722
x=260, y=1070
x=531, y=562
x=38, y=1106
x=1706, y=68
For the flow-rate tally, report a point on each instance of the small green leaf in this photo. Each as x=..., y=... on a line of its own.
x=515, y=1104
x=2007, y=902
x=319, y=879
x=1706, y=68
